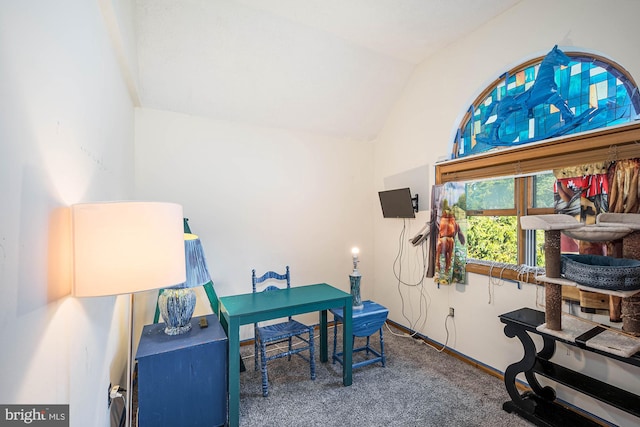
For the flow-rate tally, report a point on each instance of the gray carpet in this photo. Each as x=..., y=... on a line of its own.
x=418, y=387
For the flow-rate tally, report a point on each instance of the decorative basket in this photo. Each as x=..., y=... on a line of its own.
x=603, y=272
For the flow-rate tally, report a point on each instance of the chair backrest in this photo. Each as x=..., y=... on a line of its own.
x=270, y=280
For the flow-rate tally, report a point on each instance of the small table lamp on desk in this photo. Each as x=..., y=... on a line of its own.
x=354, y=280
x=178, y=302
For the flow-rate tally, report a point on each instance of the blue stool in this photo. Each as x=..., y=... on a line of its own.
x=366, y=321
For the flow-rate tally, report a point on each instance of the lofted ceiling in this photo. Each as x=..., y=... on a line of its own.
x=333, y=67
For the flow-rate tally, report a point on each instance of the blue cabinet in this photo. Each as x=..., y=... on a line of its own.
x=182, y=379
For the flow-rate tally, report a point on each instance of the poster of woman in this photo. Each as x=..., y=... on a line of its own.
x=450, y=251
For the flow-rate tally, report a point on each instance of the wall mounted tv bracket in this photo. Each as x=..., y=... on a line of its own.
x=414, y=202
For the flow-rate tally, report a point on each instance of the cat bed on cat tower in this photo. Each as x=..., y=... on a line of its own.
x=602, y=272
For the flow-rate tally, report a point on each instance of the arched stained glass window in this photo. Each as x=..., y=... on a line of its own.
x=558, y=94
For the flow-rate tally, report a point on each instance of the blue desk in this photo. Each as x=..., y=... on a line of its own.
x=366, y=321
x=236, y=310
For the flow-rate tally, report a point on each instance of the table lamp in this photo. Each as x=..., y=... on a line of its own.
x=123, y=248
x=354, y=279
x=178, y=302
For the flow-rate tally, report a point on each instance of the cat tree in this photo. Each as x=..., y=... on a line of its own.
x=609, y=227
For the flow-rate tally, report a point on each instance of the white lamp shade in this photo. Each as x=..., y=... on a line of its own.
x=126, y=247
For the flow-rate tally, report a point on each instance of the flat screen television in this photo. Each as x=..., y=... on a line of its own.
x=396, y=203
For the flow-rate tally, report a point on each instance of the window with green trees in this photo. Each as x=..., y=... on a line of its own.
x=493, y=218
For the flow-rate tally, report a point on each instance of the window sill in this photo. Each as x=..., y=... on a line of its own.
x=502, y=271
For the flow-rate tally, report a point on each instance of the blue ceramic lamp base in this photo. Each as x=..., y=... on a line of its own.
x=176, y=307
x=355, y=291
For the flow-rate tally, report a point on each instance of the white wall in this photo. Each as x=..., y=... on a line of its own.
x=66, y=136
x=261, y=198
x=420, y=130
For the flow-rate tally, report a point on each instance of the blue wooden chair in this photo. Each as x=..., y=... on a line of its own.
x=276, y=333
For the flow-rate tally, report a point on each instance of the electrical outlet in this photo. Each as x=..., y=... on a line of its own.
x=451, y=311
x=109, y=396
x=114, y=391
